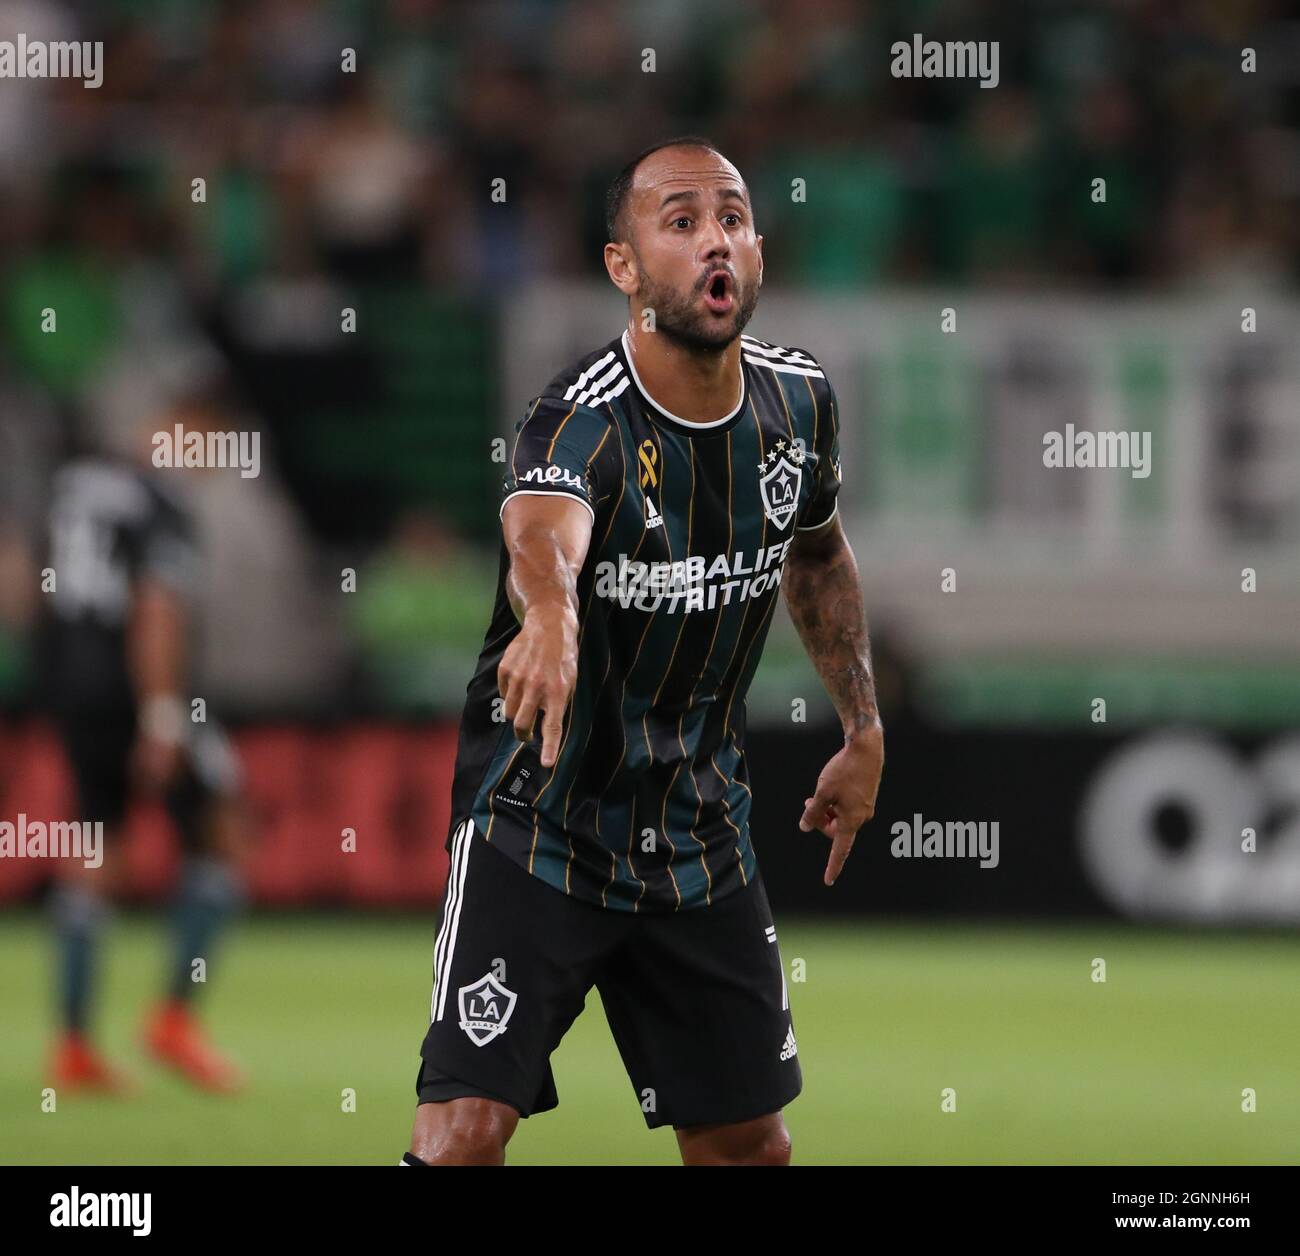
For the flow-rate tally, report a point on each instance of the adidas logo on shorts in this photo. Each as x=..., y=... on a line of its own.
x=789, y=1048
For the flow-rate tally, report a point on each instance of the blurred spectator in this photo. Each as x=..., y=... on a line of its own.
x=419, y=613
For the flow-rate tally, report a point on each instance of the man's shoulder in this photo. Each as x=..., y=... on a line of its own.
x=797, y=376
x=591, y=381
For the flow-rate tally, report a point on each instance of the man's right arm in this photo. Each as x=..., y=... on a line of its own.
x=546, y=539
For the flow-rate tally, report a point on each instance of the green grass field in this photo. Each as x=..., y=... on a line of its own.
x=1048, y=1066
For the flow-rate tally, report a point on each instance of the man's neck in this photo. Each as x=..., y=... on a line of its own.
x=696, y=387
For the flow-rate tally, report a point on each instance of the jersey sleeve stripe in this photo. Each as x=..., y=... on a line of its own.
x=589, y=394
x=580, y=384
x=813, y=527
x=784, y=366
x=542, y=492
x=613, y=392
x=766, y=350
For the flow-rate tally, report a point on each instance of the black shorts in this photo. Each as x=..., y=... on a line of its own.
x=697, y=1000
x=98, y=748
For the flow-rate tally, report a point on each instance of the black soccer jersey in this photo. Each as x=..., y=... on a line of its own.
x=648, y=805
x=110, y=525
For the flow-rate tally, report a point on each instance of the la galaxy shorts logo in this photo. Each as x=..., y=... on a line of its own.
x=485, y=1007
x=779, y=486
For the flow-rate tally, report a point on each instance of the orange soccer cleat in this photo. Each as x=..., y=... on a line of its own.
x=174, y=1038
x=78, y=1066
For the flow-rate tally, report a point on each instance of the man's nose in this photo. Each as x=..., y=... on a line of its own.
x=716, y=242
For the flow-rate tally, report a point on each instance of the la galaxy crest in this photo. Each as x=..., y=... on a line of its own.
x=778, y=487
x=485, y=1008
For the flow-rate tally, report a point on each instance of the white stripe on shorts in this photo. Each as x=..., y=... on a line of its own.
x=446, y=943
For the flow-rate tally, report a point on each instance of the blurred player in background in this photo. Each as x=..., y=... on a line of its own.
x=116, y=644
x=658, y=491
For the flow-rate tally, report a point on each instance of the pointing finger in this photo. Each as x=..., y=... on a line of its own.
x=552, y=728
x=841, y=845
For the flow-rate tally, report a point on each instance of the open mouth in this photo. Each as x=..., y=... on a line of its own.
x=717, y=293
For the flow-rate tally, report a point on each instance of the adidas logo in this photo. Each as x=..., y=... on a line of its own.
x=653, y=518
x=789, y=1049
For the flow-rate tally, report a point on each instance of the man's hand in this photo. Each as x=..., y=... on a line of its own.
x=538, y=672
x=824, y=594
x=546, y=537
x=846, y=795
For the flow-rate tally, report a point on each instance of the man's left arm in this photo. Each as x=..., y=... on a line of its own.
x=824, y=594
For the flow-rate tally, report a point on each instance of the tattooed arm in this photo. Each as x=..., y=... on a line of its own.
x=824, y=595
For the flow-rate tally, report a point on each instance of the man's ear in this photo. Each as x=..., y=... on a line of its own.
x=759, y=241
x=620, y=263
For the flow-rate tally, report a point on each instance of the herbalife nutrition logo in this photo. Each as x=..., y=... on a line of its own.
x=39, y=59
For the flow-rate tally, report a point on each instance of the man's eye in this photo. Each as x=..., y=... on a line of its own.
x=678, y=221
x=734, y=218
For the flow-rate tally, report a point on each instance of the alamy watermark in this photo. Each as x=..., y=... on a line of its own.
x=126, y=1210
x=60, y=839
x=39, y=59
x=928, y=58
x=953, y=839
x=1083, y=448
x=179, y=448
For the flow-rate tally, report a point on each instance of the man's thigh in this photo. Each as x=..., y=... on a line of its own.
x=699, y=1007
x=513, y=962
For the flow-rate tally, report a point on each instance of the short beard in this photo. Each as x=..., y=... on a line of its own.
x=680, y=320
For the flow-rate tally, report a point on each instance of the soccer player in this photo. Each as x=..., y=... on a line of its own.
x=126, y=562
x=659, y=493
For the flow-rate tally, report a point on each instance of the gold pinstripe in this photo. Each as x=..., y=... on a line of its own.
x=717, y=623
x=726, y=724
x=663, y=816
x=622, y=696
x=619, y=764
x=668, y=541
x=749, y=650
x=550, y=449
x=613, y=871
x=807, y=379
x=740, y=863
x=595, y=453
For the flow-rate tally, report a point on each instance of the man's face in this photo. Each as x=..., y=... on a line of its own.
x=697, y=262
